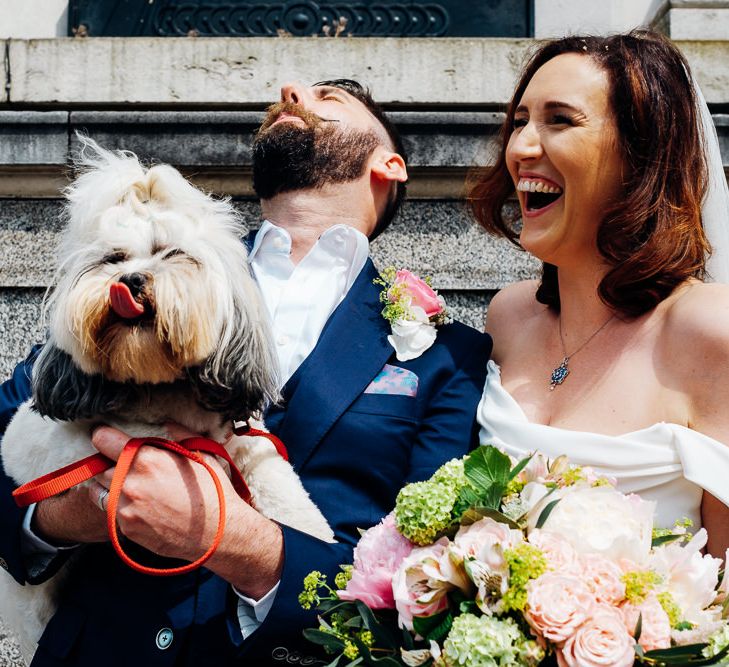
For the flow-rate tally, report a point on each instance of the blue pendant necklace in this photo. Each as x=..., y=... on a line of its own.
x=560, y=373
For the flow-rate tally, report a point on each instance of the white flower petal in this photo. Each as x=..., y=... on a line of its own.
x=411, y=338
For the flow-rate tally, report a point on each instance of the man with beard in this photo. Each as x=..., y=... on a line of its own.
x=358, y=424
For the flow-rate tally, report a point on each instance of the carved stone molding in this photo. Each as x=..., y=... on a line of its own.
x=302, y=18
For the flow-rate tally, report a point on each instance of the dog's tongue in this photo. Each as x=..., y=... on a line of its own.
x=123, y=303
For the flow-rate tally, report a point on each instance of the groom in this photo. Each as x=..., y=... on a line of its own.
x=358, y=423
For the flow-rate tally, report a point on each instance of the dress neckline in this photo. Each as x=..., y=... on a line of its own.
x=494, y=374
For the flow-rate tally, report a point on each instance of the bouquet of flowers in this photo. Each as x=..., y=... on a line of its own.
x=496, y=562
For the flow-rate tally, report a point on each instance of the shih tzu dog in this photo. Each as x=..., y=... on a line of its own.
x=154, y=318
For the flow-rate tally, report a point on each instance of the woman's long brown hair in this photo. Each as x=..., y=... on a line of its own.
x=652, y=238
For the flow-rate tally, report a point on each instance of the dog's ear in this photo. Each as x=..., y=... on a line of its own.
x=241, y=378
x=63, y=392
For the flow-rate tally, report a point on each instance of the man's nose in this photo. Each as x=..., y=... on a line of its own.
x=293, y=92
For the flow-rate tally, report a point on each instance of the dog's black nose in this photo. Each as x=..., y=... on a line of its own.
x=134, y=281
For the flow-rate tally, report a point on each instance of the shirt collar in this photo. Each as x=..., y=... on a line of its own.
x=354, y=244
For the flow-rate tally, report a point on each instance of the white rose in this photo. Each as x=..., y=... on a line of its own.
x=411, y=338
x=603, y=521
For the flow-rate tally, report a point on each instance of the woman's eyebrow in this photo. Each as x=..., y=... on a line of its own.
x=551, y=105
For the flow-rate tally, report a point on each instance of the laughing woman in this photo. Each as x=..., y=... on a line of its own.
x=619, y=356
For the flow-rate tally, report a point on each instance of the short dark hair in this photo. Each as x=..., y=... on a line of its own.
x=363, y=95
x=652, y=238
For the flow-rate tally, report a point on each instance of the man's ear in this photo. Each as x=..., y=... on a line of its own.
x=388, y=166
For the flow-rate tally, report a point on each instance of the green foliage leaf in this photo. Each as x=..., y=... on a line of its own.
x=519, y=467
x=475, y=514
x=488, y=471
x=638, y=627
x=324, y=639
x=686, y=651
x=685, y=655
x=546, y=512
x=434, y=627
x=467, y=498
x=665, y=539
x=383, y=633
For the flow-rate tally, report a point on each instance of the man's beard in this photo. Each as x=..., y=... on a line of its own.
x=291, y=156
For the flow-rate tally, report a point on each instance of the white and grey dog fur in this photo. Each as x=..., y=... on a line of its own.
x=198, y=352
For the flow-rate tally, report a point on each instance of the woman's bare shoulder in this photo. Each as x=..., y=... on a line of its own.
x=511, y=306
x=696, y=340
x=698, y=314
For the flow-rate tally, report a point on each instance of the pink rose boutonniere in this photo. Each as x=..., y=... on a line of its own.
x=413, y=309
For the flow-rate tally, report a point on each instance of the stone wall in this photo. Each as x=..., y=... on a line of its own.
x=195, y=103
x=433, y=235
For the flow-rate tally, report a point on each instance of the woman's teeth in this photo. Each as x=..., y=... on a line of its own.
x=525, y=185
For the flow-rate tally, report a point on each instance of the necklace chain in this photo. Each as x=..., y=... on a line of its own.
x=560, y=373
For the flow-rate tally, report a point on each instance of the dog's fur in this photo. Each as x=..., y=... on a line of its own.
x=199, y=355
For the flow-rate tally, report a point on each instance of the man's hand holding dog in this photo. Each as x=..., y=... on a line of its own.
x=169, y=506
x=70, y=518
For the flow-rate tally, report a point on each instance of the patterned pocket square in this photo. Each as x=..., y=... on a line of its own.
x=394, y=381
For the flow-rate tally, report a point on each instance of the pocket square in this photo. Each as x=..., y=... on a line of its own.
x=394, y=381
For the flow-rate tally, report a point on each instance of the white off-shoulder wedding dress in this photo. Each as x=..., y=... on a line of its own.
x=668, y=463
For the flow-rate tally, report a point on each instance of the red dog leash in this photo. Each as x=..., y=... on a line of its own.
x=63, y=479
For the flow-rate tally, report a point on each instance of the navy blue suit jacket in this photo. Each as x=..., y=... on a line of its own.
x=353, y=451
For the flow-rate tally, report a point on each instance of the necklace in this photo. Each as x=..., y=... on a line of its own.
x=560, y=373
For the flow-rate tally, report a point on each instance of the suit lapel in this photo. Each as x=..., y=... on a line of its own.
x=351, y=350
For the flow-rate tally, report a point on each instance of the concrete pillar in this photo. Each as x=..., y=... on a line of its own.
x=557, y=18
x=33, y=19
x=700, y=20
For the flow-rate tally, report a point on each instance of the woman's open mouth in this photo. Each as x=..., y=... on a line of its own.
x=539, y=195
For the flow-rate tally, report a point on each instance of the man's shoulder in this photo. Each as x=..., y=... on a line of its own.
x=458, y=344
x=459, y=333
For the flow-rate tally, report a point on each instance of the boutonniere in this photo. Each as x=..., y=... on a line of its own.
x=413, y=309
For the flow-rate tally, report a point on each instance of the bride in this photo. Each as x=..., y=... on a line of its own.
x=619, y=356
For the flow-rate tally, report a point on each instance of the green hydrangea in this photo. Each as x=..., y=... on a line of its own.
x=451, y=473
x=717, y=642
x=526, y=562
x=423, y=510
x=487, y=641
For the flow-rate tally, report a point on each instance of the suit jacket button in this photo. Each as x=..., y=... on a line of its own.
x=164, y=638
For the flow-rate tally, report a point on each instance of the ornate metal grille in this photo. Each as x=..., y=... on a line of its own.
x=249, y=18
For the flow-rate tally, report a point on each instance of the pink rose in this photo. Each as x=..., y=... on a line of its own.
x=602, y=641
x=421, y=293
x=486, y=540
x=377, y=556
x=558, y=604
x=561, y=557
x=604, y=578
x=423, y=580
x=655, y=627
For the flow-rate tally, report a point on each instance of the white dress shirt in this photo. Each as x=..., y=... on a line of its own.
x=299, y=298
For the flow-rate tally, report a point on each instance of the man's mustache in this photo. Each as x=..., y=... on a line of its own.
x=290, y=108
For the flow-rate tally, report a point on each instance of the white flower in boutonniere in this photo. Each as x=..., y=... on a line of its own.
x=413, y=309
